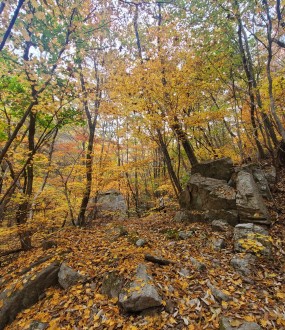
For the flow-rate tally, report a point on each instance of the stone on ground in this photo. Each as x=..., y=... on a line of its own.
x=226, y=324
x=112, y=284
x=142, y=294
x=243, y=264
x=249, y=237
x=67, y=276
x=220, y=225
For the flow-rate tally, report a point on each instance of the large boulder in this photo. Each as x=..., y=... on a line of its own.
x=249, y=237
x=111, y=204
x=18, y=297
x=142, y=294
x=250, y=205
x=221, y=169
x=210, y=194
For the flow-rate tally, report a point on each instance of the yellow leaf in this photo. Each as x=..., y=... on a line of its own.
x=224, y=304
x=249, y=318
x=235, y=323
x=263, y=322
x=280, y=295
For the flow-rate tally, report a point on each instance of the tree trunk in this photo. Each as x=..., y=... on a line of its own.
x=175, y=181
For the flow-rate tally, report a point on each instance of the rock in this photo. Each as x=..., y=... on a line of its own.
x=220, y=225
x=198, y=265
x=46, y=245
x=218, y=294
x=261, y=182
x=243, y=264
x=37, y=325
x=170, y=306
x=67, y=276
x=230, y=216
x=112, y=284
x=250, y=205
x=184, y=235
x=207, y=194
x=182, y=216
x=249, y=237
x=225, y=324
x=142, y=293
x=110, y=204
x=115, y=233
x=140, y=242
x=221, y=169
x=270, y=175
x=218, y=243
x=184, y=272
x=17, y=299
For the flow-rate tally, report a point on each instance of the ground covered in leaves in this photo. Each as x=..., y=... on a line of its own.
x=187, y=300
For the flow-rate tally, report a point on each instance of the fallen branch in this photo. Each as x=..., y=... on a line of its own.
x=158, y=260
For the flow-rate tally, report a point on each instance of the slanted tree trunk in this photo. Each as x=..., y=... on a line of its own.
x=174, y=179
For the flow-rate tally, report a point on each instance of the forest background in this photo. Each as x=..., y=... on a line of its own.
x=128, y=95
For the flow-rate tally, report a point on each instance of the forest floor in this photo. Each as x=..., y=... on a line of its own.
x=187, y=300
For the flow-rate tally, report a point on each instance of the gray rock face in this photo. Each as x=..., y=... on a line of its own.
x=225, y=324
x=270, y=174
x=230, y=216
x=182, y=216
x=218, y=244
x=250, y=205
x=261, y=182
x=220, y=225
x=221, y=169
x=111, y=204
x=198, y=265
x=15, y=300
x=243, y=264
x=208, y=194
x=185, y=234
x=218, y=294
x=249, y=237
x=142, y=293
x=112, y=284
x=67, y=276
x=208, y=197
x=141, y=242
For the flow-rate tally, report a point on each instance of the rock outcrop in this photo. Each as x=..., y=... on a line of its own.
x=218, y=191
